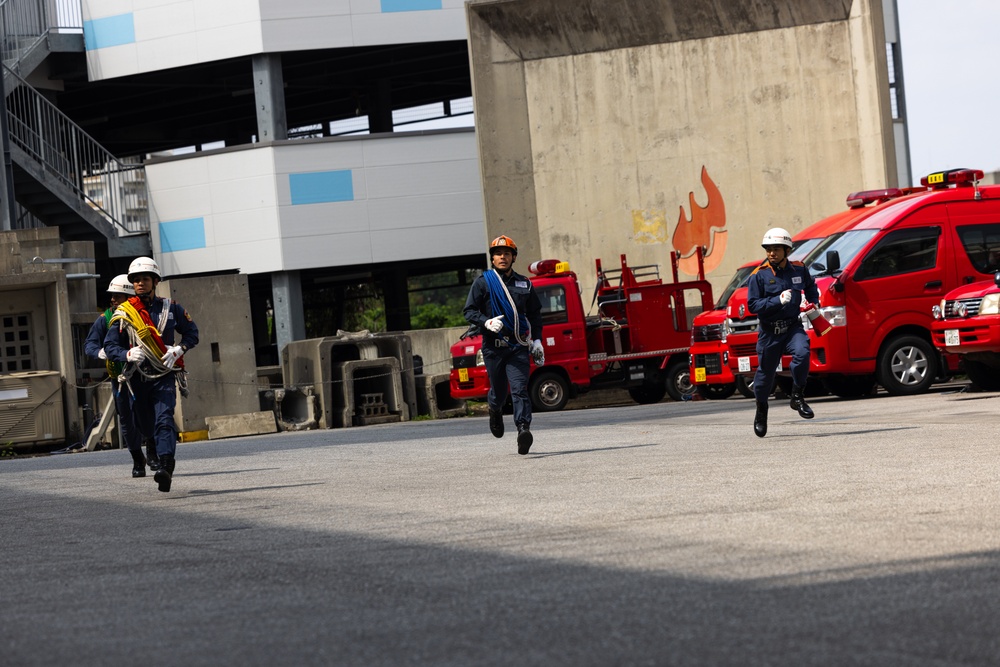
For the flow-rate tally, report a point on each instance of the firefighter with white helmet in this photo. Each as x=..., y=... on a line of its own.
x=776, y=290
x=505, y=307
x=119, y=290
x=144, y=336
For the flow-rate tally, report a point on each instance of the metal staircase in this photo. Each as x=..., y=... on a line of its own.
x=62, y=176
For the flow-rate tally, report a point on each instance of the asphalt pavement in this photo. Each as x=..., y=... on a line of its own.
x=663, y=534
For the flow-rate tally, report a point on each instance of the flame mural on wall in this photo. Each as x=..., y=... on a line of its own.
x=707, y=228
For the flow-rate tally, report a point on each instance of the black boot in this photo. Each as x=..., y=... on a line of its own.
x=138, y=463
x=798, y=403
x=165, y=473
x=151, y=458
x=760, y=419
x=524, y=439
x=496, y=424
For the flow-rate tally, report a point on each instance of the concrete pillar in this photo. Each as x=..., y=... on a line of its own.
x=289, y=317
x=269, y=95
x=396, y=295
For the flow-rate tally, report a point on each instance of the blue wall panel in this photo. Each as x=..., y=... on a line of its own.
x=179, y=235
x=409, y=5
x=109, y=31
x=320, y=187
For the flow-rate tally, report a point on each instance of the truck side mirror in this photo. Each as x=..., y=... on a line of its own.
x=832, y=261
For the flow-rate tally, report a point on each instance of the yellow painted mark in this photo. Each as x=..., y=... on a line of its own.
x=649, y=225
x=193, y=436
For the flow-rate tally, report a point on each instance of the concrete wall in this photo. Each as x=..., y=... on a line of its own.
x=126, y=37
x=291, y=205
x=658, y=126
x=222, y=372
x=433, y=346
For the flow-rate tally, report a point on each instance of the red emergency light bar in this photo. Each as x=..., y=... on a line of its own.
x=865, y=197
x=548, y=266
x=942, y=179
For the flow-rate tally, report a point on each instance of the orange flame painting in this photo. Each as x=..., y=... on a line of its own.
x=706, y=228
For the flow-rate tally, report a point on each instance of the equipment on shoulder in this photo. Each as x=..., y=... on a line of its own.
x=120, y=284
x=143, y=265
x=777, y=236
x=503, y=243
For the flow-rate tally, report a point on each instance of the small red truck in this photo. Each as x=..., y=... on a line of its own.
x=967, y=322
x=896, y=254
x=638, y=339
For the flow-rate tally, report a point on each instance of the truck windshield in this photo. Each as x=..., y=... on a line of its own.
x=802, y=248
x=739, y=280
x=847, y=245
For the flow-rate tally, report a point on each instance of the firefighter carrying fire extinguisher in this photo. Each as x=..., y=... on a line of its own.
x=776, y=291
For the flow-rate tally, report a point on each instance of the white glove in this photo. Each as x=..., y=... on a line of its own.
x=805, y=302
x=101, y=354
x=495, y=325
x=170, y=357
x=538, y=352
x=135, y=354
x=786, y=297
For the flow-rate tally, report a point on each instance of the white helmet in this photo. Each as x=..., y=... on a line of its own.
x=143, y=265
x=121, y=285
x=777, y=236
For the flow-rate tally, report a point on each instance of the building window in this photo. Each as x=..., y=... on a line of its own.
x=15, y=349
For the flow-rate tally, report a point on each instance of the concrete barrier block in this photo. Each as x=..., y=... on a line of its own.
x=232, y=426
x=362, y=388
x=434, y=397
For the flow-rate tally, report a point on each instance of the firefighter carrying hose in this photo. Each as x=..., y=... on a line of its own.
x=119, y=290
x=505, y=307
x=142, y=336
x=776, y=291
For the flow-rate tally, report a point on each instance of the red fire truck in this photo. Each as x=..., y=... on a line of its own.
x=967, y=321
x=638, y=340
x=899, y=251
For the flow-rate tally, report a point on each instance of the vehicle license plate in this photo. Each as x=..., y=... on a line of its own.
x=463, y=374
x=699, y=374
x=744, y=363
x=951, y=337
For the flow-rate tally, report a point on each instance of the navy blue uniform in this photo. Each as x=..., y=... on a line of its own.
x=505, y=358
x=780, y=330
x=123, y=401
x=156, y=399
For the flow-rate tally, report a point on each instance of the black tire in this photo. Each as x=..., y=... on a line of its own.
x=983, y=376
x=850, y=386
x=647, y=393
x=549, y=392
x=907, y=365
x=744, y=385
x=678, y=380
x=716, y=392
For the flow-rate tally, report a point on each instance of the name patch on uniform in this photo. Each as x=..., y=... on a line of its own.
x=796, y=280
x=521, y=283
x=771, y=281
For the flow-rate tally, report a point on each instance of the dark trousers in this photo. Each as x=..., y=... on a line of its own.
x=770, y=347
x=508, y=369
x=154, y=411
x=128, y=430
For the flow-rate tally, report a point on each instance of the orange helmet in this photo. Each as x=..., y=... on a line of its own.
x=503, y=242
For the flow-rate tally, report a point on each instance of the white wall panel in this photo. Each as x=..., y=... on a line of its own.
x=241, y=39
x=112, y=62
x=244, y=194
x=242, y=227
x=396, y=181
x=170, y=20
x=333, y=250
x=409, y=27
x=234, y=165
x=291, y=9
x=179, y=203
x=303, y=156
x=299, y=34
x=157, y=54
x=404, y=244
x=418, y=148
x=250, y=257
x=426, y=211
x=218, y=14
x=320, y=220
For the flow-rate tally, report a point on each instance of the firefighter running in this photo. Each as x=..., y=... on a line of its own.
x=504, y=305
x=776, y=291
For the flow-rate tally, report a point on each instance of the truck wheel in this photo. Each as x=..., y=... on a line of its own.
x=716, y=392
x=907, y=365
x=647, y=393
x=549, y=392
x=983, y=376
x=678, y=382
x=849, y=386
x=744, y=385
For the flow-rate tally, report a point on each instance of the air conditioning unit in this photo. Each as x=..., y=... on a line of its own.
x=31, y=408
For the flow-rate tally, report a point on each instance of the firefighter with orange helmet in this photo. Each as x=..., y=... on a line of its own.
x=505, y=307
x=776, y=290
x=150, y=335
